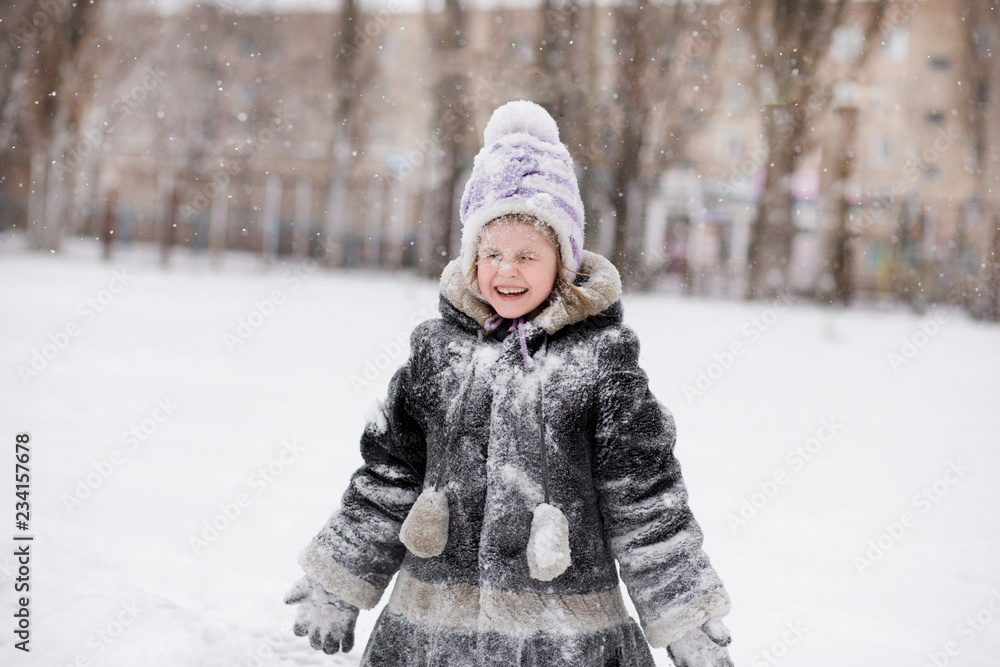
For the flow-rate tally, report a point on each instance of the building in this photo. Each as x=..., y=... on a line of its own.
x=220, y=128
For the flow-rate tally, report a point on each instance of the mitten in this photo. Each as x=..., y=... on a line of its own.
x=327, y=620
x=702, y=647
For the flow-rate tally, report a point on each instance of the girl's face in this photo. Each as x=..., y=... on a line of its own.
x=517, y=267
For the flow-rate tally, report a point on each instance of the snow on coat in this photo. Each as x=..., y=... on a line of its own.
x=610, y=471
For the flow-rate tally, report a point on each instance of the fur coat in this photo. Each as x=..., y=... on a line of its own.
x=463, y=414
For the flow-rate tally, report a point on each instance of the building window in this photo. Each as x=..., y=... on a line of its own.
x=737, y=98
x=971, y=210
x=896, y=44
x=730, y=146
x=982, y=95
x=880, y=151
x=879, y=203
x=934, y=117
x=972, y=156
x=939, y=63
x=985, y=37
x=522, y=48
x=738, y=45
x=390, y=47
x=847, y=43
x=845, y=94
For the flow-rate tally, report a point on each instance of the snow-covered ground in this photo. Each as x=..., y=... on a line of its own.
x=192, y=428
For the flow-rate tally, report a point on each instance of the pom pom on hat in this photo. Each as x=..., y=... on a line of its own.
x=524, y=169
x=521, y=116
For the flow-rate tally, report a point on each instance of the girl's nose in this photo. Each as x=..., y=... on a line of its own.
x=507, y=268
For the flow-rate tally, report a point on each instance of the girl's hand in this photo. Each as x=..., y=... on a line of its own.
x=327, y=620
x=703, y=647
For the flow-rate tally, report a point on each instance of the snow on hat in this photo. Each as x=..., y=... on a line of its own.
x=523, y=168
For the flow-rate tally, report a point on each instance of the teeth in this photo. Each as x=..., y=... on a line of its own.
x=505, y=291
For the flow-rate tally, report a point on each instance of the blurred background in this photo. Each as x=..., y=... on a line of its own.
x=842, y=151
x=221, y=221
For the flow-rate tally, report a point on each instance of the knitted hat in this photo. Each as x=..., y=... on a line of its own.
x=523, y=168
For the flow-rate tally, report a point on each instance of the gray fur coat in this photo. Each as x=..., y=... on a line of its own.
x=607, y=465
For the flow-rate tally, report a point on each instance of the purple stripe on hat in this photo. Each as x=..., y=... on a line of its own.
x=567, y=207
x=552, y=177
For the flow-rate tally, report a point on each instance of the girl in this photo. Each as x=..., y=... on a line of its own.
x=518, y=455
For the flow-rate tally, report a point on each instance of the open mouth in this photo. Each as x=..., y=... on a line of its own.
x=511, y=292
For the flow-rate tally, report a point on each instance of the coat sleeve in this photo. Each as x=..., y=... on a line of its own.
x=643, y=500
x=356, y=553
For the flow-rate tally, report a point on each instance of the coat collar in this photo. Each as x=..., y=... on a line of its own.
x=602, y=285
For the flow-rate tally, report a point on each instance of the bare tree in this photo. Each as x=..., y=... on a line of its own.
x=566, y=61
x=13, y=17
x=792, y=39
x=48, y=84
x=624, y=140
x=981, y=25
x=841, y=260
x=568, y=86
x=453, y=134
x=353, y=72
x=633, y=88
x=191, y=170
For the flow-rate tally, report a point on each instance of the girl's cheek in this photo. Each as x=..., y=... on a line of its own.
x=486, y=273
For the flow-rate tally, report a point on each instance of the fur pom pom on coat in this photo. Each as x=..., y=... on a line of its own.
x=425, y=531
x=548, y=543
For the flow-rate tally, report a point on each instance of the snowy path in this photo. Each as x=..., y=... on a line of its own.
x=148, y=424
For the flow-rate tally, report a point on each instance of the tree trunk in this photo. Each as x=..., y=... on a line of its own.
x=168, y=230
x=109, y=224
x=842, y=259
x=451, y=133
x=51, y=99
x=633, y=93
x=992, y=288
x=347, y=47
x=773, y=230
x=980, y=69
x=58, y=189
x=440, y=220
x=626, y=199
